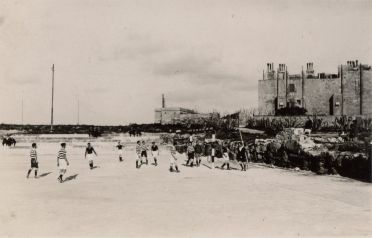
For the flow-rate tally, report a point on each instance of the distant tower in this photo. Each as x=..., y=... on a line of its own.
x=162, y=101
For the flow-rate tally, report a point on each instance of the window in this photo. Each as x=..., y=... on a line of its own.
x=291, y=88
x=299, y=102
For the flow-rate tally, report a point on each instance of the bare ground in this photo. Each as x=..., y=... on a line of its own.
x=116, y=199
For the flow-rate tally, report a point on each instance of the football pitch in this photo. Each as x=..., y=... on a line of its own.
x=116, y=199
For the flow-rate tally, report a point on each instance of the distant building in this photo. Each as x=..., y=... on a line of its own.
x=175, y=115
x=349, y=92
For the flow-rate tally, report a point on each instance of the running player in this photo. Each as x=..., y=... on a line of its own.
x=138, y=152
x=62, y=162
x=120, y=151
x=173, y=160
x=144, y=152
x=34, y=162
x=155, y=153
x=89, y=153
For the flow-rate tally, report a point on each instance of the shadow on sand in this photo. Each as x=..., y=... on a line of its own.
x=69, y=178
x=44, y=174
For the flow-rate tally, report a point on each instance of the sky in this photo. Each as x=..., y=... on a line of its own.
x=114, y=58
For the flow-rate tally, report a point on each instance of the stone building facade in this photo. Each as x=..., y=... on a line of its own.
x=174, y=115
x=349, y=92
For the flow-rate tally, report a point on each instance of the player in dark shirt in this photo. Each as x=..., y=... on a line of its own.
x=241, y=156
x=89, y=154
x=120, y=151
x=155, y=153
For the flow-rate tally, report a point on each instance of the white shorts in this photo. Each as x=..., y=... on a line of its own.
x=90, y=157
x=225, y=157
x=155, y=153
x=62, y=164
x=120, y=152
x=172, y=160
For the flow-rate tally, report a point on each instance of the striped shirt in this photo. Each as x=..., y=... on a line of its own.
x=62, y=154
x=33, y=154
x=138, y=149
x=144, y=147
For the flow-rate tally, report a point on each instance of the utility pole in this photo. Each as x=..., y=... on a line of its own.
x=51, y=119
x=22, y=110
x=78, y=111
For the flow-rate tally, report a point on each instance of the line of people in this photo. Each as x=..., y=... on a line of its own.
x=194, y=154
x=229, y=152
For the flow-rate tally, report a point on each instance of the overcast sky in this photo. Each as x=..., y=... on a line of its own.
x=118, y=57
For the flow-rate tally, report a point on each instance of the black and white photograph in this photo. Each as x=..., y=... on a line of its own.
x=186, y=118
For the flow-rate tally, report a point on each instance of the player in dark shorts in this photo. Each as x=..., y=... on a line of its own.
x=144, y=152
x=190, y=151
x=120, y=151
x=198, y=153
x=34, y=162
x=89, y=153
x=155, y=153
x=62, y=162
x=241, y=156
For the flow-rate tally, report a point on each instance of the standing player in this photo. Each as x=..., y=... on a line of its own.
x=173, y=160
x=120, y=151
x=62, y=162
x=34, y=162
x=213, y=154
x=89, y=153
x=138, y=152
x=144, y=152
x=225, y=156
x=155, y=153
x=198, y=153
x=190, y=151
x=241, y=156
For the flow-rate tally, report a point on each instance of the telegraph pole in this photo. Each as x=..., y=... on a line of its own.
x=78, y=111
x=51, y=119
x=22, y=109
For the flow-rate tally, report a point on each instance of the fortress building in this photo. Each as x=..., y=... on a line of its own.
x=349, y=92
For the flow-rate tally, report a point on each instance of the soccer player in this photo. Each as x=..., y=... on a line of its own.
x=34, y=162
x=62, y=162
x=120, y=151
x=190, y=151
x=198, y=153
x=155, y=153
x=89, y=153
x=225, y=156
x=173, y=160
x=241, y=156
x=138, y=152
x=213, y=154
x=144, y=152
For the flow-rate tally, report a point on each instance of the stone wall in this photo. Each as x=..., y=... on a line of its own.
x=351, y=90
x=318, y=94
x=266, y=96
x=367, y=92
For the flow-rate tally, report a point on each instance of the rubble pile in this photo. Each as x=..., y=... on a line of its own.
x=292, y=148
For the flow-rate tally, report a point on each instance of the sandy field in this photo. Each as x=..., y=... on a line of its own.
x=116, y=199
